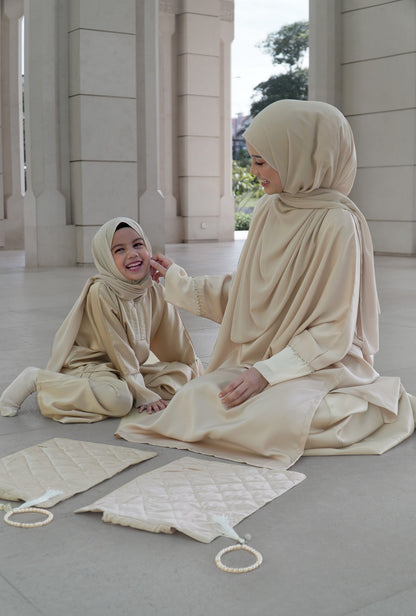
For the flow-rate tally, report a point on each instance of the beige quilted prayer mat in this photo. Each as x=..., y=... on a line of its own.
x=64, y=467
x=188, y=494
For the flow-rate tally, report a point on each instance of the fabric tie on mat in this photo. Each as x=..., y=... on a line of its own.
x=60, y=468
x=189, y=494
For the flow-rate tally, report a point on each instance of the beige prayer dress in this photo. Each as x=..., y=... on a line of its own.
x=301, y=308
x=121, y=345
x=106, y=370
x=344, y=408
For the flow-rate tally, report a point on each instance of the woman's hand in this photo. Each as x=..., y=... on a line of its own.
x=152, y=407
x=159, y=265
x=244, y=386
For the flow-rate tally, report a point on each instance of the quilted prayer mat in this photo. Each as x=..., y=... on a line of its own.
x=188, y=494
x=63, y=467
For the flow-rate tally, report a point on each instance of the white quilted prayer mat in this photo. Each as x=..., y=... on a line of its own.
x=188, y=494
x=62, y=467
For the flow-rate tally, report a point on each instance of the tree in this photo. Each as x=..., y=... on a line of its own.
x=289, y=44
x=245, y=185
x=287, y=47
x=246, y=190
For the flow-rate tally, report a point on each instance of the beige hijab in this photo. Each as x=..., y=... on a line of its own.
x=110, y=275
x=280, y=274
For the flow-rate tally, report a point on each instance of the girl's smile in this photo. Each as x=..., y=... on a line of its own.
x=135, y=265
x=130, y=254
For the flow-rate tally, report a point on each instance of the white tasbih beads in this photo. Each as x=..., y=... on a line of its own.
x=228, y=531
x=238, y=546
x=10, y=512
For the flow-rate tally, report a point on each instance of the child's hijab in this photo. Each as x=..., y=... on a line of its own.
x=104, y=261
x=110, y=275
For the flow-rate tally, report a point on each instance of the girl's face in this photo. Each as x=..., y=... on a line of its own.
x=269, y=177
x=130, y=254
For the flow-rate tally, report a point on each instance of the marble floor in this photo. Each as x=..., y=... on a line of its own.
x=341, y=543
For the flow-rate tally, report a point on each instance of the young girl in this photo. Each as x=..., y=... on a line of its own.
x=292, y=370
x=99, y=365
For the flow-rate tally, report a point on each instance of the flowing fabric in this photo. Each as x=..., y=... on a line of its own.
x=280, y=283
x=302, y=308
x=120, y=344
x=110, y=275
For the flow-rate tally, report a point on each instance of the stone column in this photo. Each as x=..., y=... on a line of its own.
x=325, y=46
x=102, y=106
x=2, y=234
x=168, y=119
x=11, y=128
x=363, y=59
x=49, y=236
x=202, y=115
x=379, y=99
x=227, y=208
x=151, y=199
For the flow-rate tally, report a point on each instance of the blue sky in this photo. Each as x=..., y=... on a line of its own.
x=254, y=20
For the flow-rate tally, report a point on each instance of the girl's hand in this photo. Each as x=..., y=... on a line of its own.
x=159, y=265
x=243, y=387
x=152, y=407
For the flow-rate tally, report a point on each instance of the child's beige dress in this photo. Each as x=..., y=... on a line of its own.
x=122, y=345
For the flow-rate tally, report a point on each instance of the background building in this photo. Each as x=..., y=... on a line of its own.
x=127, y=111
x=363, y=60
x=239, y=125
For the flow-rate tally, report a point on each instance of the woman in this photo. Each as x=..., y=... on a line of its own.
x=292, y=370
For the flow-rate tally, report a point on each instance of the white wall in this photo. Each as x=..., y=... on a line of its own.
x=128, y=112
x=371, y=47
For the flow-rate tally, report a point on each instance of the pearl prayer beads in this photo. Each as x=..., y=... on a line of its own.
x=238, y=546
x=10, y=512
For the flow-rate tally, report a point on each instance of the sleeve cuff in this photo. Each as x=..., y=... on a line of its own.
x=283, y=366
x=141, y=394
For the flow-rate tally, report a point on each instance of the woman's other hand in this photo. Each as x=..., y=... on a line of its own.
x=244, y=386
x=159, y=265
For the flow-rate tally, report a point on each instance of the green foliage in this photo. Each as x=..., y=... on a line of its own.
x=243, y=158
x=246, y=191
x=242, y=221
x=292, y=85
x=245, y=186
x=287, y=47
x=242, y=181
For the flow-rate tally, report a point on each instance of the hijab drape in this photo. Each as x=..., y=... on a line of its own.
x=110, y=275
x=311, y=146
x=304, y=289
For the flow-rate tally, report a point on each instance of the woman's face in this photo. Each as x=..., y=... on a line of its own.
x=130, y=254
x=269, y=177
